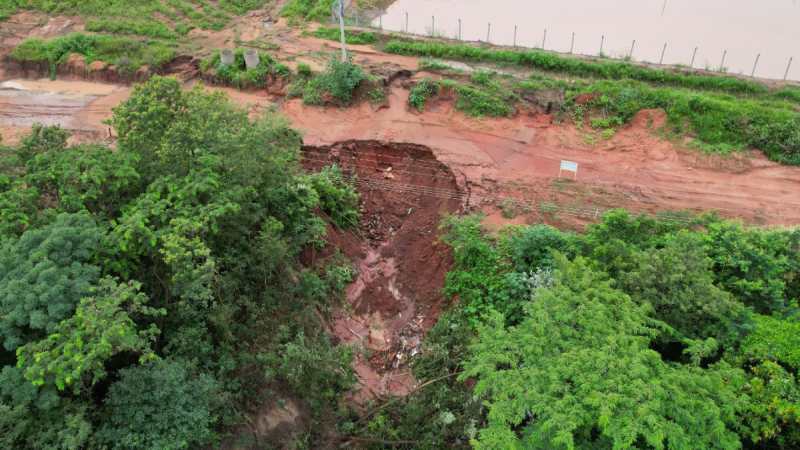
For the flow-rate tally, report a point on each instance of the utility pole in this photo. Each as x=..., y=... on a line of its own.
x=341, y=29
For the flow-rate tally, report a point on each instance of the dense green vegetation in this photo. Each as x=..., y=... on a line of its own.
x=540, y=60
x=355, y=37
x=152, y=293
x=126, y=54
x=640, y=333
x=721, y=121
x=238, y=75
x=143, y=17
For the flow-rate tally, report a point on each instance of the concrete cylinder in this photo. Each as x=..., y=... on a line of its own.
x=226, y=57
x=251, y=59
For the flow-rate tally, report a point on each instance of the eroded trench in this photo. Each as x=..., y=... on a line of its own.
x=397, y=295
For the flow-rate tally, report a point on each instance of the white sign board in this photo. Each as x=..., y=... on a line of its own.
x=570, y=167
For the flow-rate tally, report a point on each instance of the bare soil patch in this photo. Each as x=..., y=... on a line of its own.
x=394, y=246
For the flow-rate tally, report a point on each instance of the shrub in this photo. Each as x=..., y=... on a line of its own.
x=339, y=80
x=337, y=196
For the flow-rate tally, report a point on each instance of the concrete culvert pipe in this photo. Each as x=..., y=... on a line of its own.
x=251, y=59
x=226, y=57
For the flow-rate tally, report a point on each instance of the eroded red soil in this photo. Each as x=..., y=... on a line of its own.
x=394, y=246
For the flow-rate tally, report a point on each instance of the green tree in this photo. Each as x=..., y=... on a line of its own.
x=157, y=406
x=676, y=280
x=759, y=267
x=578, y=373
x=89, y=177
x=101, y=328
x=142, y=121
x=43, y=276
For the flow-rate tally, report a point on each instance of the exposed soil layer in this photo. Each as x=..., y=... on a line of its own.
x=394, y=246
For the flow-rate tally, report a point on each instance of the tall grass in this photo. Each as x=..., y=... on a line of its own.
x=578, y=67
x=127, y=54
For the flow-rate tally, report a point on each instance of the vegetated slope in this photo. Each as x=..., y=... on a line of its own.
x=151, y=294
x=634, y=333
x=143, y=18
x=721, y=123
x=126, y=54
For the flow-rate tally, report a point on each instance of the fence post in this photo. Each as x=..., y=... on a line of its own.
x=332, y=15
x=488, y=30
x=380, y=19
x=662, y=54
x=754, y=66
x=459, y=29
x=515, y=36
x=630, y=57
x=787, y=68
x=406, y=23
x=433, y=25
x=572, y=46
x=693, y=55
x=723, y=60
x=544, y=39
x=356, y=17
x=601, y=45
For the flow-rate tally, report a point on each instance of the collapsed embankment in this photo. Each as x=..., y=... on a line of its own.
x=397, y=296
x=75, y=68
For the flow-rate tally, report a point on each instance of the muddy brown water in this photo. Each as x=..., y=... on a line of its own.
x=745, y=28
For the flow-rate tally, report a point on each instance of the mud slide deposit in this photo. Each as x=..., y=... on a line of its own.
x=394, y=246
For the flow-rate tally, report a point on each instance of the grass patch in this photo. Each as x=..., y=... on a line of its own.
x=308, y=9
x=239, y=76
x=720, y=122
x=127, y=54
x=483, y=96
x=553, y=63
x=351, y=36
x=141, y=17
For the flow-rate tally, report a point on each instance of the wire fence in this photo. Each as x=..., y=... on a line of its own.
x=373, y=18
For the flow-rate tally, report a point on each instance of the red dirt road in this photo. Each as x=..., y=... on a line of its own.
x=655, y=174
